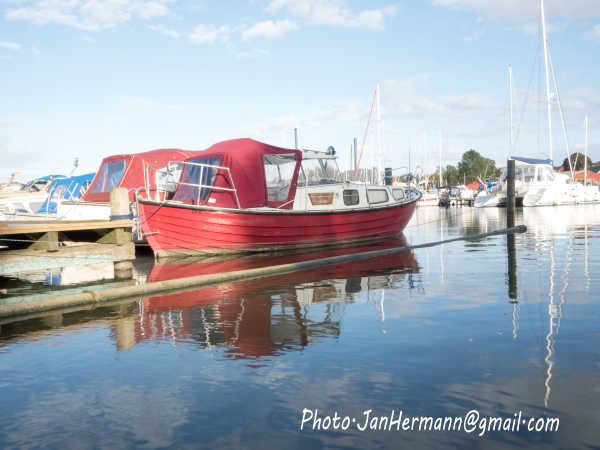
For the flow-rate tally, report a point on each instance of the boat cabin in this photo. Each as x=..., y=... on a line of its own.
x=247, y=174
x=531, y=170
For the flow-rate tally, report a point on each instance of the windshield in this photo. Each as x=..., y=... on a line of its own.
x=197, y=179
x=110, y=176
x=319, y=171
x=34, y=186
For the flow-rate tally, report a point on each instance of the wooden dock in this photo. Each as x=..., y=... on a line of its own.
x=40, y=245
x=48, y=244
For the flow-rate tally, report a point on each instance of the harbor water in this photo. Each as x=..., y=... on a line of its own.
x=503, y=327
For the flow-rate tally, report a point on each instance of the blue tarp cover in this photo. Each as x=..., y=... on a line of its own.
x=66, y=188
x=531, y=160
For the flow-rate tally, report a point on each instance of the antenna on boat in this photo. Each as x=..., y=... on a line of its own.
x=296, y=138
x=75, y=165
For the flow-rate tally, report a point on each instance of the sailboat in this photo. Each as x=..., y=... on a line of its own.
x=536, y=182
x=560, y=188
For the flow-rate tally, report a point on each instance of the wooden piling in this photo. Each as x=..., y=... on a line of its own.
x=510, y=194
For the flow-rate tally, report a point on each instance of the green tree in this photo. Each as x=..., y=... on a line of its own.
x=578, y=162
x=450, y=175
x=474, y=166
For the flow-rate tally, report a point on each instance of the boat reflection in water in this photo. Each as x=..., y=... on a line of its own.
x=265, y=316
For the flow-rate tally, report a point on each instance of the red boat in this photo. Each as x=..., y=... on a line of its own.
x=153, y=169
x=245, y=196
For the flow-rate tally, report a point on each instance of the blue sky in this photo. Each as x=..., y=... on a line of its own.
x=91, y=78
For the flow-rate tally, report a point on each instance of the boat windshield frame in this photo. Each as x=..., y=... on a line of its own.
x=324, y=170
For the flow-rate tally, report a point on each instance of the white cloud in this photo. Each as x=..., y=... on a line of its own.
x=594, y=34
x=144, y=103
x=10, y=46
x=518, y=10
x=336, y=112
x=247, y=55
x=333, y=12
x=209, y=34
x=269, y=29
x=404, y=98
x=166, y=31
x=90, y=15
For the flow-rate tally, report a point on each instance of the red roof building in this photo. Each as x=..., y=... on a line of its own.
x=592, y=177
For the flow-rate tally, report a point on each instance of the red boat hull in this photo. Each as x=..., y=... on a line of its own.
x=188, y=230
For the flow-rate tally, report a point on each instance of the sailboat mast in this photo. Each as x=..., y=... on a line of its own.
x=379, y=151
x=587, y=130
x=548, y=100
x=440, y=158
x=510, y=110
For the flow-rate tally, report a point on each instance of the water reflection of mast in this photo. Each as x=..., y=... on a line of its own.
x=586, y=272
x=442, y=251
x=550, y=335
x=515, y=319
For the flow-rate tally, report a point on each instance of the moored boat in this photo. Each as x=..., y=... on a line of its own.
x=245, y=196
x=28, y=199
x=130, y=171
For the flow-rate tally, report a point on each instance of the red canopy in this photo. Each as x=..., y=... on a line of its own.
x=245, y=158
x=128, y=171
x=474, y=185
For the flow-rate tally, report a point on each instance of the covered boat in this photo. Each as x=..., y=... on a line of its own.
x=244, y=196
x=71, y=188
x=131, y=171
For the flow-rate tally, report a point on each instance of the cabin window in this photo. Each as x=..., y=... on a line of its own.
x=110, y=176
x=321, y=198
x=351, y=197
x=377, y=195
x=279, y=172
x=398, y=194
x=197, y=179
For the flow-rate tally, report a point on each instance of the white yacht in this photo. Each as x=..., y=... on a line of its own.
x=531, y=176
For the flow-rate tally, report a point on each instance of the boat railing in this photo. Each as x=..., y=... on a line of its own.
x=161, y=192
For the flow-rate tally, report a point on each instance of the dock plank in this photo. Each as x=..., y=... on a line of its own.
x=31, y=227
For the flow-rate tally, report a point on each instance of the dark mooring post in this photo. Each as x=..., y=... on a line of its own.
x=510, y=222
x=512, y=266
x=510, y=194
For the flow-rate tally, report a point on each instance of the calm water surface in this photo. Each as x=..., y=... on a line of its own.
x=498, y=326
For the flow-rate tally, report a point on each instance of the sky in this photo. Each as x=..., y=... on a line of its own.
x=88, y=79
